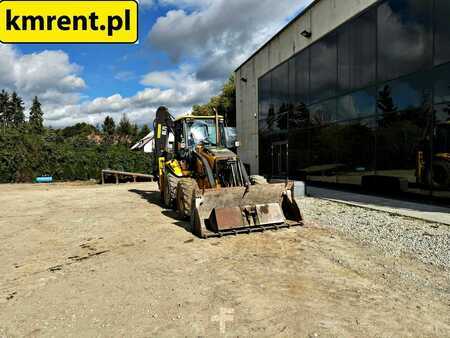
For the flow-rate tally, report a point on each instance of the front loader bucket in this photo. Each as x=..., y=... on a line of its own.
x=228, y=211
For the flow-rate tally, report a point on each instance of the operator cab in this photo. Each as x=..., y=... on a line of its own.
x=192, y=131
x=203, y=131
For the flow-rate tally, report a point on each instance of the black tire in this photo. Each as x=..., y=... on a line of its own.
x=441, y=174
x=258, y=180
x=170, y=190
x=185, y=192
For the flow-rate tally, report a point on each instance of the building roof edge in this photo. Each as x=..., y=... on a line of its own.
x=298, y=16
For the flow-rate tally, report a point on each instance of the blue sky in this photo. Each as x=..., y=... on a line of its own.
x=119, y=65
x=186, y=50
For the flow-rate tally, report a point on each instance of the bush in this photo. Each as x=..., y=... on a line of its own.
x=64, y=154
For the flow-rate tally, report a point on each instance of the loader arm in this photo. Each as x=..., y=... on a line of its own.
x=162, y=126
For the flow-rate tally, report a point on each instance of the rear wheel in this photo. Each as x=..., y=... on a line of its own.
x=185, y=193
x=170, y=190
x=258, y=180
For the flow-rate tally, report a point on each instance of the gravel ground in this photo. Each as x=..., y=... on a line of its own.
x=392, y=234
x=108, y=261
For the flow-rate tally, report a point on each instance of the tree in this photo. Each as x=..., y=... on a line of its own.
x=229, y=101
x=16, y=110
x=145, y=130
x=271, y=117
x=36, y=116
x=202, y=110
x=80, y=129
x=109, y=126
x=135, y=130
x=125, y=127
x=4, y=100
x=73, y=153
x=224, y=103
x=385, y=104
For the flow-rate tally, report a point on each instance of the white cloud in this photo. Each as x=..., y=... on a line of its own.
x=177, y=89
x=125, y=76
x=48, y=74
x=146, y=3
x=188, y=4
x=215, y=35
x=218, y=33
x=57, y=82
x=160, y=79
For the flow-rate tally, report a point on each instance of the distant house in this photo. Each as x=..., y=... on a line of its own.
x=148, y=143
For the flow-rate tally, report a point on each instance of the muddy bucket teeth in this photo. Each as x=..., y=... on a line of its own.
x=233, y=211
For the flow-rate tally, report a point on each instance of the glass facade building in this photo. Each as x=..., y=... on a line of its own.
x=367, y=105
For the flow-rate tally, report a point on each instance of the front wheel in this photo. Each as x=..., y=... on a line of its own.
x=185, y=193
x=170, y=190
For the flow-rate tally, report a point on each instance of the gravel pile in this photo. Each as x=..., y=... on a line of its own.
x=393, y=234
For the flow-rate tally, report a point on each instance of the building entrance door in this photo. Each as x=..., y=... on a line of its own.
x=279, y=159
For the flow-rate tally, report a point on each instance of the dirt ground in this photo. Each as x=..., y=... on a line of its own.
x=89, y=260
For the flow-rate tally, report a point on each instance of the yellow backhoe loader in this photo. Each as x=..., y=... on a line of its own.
x=434, y=171
x=203, y=179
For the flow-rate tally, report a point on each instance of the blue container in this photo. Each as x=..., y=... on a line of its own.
x=44, y=179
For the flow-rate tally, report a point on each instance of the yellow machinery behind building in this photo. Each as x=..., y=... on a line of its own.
x=434, y=170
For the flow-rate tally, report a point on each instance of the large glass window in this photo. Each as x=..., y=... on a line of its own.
x=442, y=32
x=291, y=105
x=397, y=148
x=265, y=155
x=302, y=78
x=442, y=84
x=442, y=113
x=357, y=52
x=291, y=65
x=323, y=166
x=357, y=105
x=299, y=156
x=440, y=153
x=409, y=97
x=323, y=68
x=322, y=113
x=263, y=127
x=404, y=123
x=440, y=136
x=277, y=83
x=276, y=123
x=264, y=92
x=280, y=97
x=299, y=114
x=355, y=150
x=404, y=37
x=442, y=129
x=300, y=117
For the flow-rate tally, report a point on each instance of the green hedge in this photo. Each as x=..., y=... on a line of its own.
x=25, y=156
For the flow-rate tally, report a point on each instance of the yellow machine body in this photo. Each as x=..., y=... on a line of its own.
x=206, y=182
